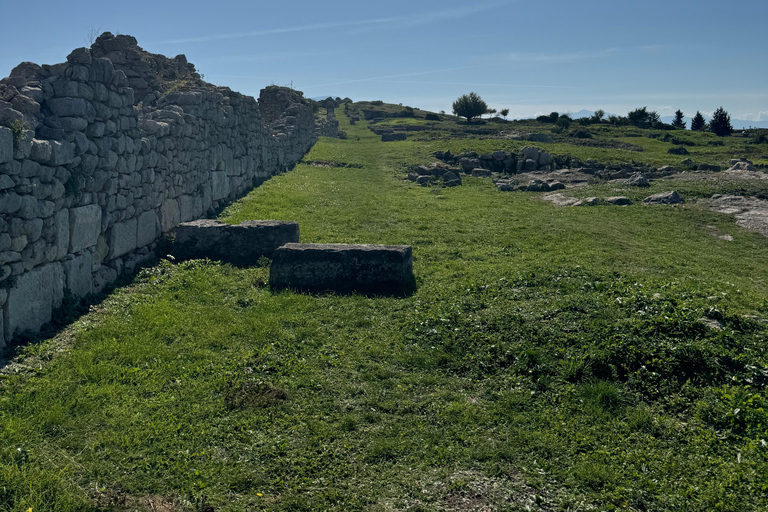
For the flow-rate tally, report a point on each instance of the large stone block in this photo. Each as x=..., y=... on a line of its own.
x=219, y=185
x=375, y=269
x=61, y=225
x=6, y=145
x=148, y=228
x=84, y=227
x=242, y=244
x=33, y=298
x=122, y=238
x=171, y=214
x=78, y=274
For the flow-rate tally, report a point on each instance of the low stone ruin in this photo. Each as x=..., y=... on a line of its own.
x=241, y=244
x=393, y=136
x=375, y=269
x=436, y=174
x=328, y=125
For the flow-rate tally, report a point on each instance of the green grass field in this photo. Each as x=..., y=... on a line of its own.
x=552, y=359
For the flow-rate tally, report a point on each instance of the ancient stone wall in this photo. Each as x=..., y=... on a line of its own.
x=103, y=153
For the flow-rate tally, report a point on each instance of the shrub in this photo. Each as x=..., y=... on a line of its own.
x=720, y=124
x=469, y=106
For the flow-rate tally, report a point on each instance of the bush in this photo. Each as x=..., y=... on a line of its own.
x=720, y=124
x=641, y=118
x=469, y=106
x=431, y=117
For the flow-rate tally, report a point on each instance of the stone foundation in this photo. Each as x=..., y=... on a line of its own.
x=242, y=244
x=374, y=269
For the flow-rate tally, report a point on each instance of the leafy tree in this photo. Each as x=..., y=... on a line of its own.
x=469, y=106
x=720, y=124
x=640, y=117
x=504, y=112
x=490, y=112
x=698, y=123
x=679, y=122
x=598, y=116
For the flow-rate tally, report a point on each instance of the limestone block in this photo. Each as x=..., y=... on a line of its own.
x=190, y=207
x=78, y=275
x=148, y=228
x=171, y=215
x=84, y=227
x=6, y=145
x=219, y=185
x=375, y=269
x=33, y=298
x=2, y=327
x=61, y=226
x=122, y=238
x=242, y=244
x=66, y=107
x=41, y=150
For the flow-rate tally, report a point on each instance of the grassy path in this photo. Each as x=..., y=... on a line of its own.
x=551, y=358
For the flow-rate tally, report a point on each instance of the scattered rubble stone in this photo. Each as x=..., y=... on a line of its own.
x=669, y=197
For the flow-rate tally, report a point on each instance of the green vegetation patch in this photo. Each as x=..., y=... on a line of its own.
x=551, y=358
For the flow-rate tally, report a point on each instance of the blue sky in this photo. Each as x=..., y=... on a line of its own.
x=529, y=56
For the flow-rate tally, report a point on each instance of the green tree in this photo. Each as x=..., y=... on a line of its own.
x=698, y=123
x=469, y=106
x=598, y=116
x=679, y=122
x=720, y=124
x=504, y=112
x=640, y=117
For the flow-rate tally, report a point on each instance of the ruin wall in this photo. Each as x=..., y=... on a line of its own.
x=102, y=154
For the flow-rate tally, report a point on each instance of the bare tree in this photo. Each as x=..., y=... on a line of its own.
x=92, y=34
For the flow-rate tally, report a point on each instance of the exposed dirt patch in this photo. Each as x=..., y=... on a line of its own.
x=122, y=502
x=329, y=164
x=253, y=394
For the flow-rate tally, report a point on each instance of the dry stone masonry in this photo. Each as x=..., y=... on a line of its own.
x=103, y=153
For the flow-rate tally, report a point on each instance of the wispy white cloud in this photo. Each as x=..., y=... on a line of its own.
x=385, y=77
x=474, y=84
x=402, y=21
x=424, y=18
x=566, y=57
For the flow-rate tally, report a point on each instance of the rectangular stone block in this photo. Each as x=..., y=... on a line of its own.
x=122, y=238
x=242, y=244
x=33, y=298
x=84, y=227
x=171, y=214
x=374, y=269
x=148, y=228
x=61, y=224
x=6, y=145
x=78, y=274
x=2, y=327
x=219, y=185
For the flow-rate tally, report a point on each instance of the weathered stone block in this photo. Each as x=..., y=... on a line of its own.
x=78, y=275
x=171, y=215
x=33, y=298
x=148, y=228
x=6, y=145
x=61, y=239
x=122, y=238
x=219, y=185
x=242, y=244
x=376, y=269
x=84, y=227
